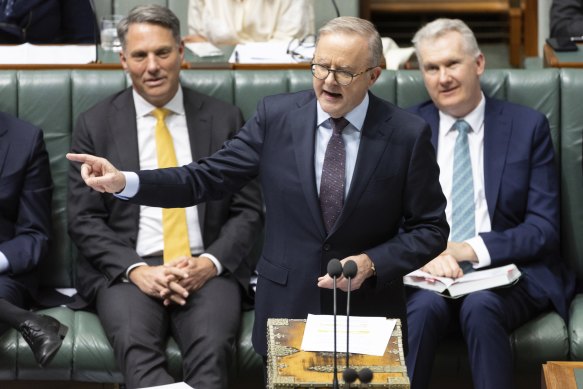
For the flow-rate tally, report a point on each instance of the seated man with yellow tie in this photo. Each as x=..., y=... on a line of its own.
x=497, y=170
x=155, y=272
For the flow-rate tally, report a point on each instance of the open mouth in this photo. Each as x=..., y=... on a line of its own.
x=332, y=95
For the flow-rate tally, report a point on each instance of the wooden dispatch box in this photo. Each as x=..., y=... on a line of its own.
x=290, y=367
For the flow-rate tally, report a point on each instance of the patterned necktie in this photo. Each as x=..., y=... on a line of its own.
x=463, y=225
x=333, y=175
x=174, y=225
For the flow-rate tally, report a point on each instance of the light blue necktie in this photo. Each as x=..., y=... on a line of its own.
x=463, y=225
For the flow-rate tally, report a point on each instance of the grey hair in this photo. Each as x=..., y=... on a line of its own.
x=440, y=27
x=153, y=14
x=351, y=24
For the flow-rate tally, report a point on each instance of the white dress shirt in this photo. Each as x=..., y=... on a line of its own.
x=150, y=234
x=445, y=148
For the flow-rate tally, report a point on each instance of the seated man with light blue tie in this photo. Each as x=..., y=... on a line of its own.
x=498, y=172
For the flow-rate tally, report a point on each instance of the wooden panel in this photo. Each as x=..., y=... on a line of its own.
x=457, y=6
x=559, y=375
x=290, y=367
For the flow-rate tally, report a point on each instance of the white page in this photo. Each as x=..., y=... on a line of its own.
x=265, y=52
x=46, y=54
x=204, y=49
x=368, y=335
x=178, y=385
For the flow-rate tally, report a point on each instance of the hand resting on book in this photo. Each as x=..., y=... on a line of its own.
x=446, y=264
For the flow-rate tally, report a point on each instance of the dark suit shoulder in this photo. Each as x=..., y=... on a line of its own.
x=418, y=108
x=510, y=108
x=12, y=125
x=119, y=100
x=286, y=101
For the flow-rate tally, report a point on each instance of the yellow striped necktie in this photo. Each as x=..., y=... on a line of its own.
x=174, y=226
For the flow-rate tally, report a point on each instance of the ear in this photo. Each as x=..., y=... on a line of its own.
x=374, y=75
x=181, y=51
x=123, y=60
x=480, y=64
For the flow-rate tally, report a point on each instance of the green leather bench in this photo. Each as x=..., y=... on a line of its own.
x=54, y=99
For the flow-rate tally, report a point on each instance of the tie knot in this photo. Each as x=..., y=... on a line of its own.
x=160, y=113
x=338, y=124
x=462, y=126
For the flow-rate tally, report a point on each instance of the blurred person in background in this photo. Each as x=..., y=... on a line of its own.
x=228, y=22
x=46, y=21
x=567, y=18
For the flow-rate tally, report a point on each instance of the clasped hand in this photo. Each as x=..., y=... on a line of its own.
x=174, y=281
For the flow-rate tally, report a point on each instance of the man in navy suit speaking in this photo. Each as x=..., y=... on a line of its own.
x=344, y=175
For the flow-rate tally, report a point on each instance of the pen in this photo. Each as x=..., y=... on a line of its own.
x=236, y=56
x=576, y=39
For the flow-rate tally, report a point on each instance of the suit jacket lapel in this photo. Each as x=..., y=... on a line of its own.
x=376, y=132
x=303, y=134
x=124, y=130
x=497, y=132
x=430, y=113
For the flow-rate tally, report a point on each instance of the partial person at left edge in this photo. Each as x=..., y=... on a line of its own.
x=25, y=219
x=46, y=22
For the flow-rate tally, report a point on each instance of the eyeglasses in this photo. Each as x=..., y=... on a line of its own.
x=343, y=77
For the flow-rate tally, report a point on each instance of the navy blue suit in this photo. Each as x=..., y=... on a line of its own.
x=522, y=193
x=395, y=184
x=25, y=206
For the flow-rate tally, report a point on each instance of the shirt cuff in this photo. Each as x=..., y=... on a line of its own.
x=215, y=261
x=481, y=251
x=4, y=264
x=126, y=278
x=132, y=186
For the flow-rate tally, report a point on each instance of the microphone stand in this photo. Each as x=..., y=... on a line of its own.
x=334, y=270
x=335, y=379
x=349, y=271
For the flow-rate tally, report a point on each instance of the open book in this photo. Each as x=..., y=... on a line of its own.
x=471, y=282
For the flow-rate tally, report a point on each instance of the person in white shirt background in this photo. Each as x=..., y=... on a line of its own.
x=228, y=22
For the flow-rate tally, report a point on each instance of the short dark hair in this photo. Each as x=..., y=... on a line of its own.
x=153, y=14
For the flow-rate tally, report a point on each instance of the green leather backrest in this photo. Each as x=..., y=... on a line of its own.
x=52, y=100
x=571, y=173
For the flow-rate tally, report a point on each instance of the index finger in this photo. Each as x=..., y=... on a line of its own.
x=85, y=158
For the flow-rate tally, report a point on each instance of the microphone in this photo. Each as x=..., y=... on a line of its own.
x=349, y=271
x=365, y=375
x=334, y=270
x=349, y=375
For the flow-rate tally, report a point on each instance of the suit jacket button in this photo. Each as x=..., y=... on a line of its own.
x=327, y=247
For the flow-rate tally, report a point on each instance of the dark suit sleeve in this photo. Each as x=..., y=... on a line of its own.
x=567, y=18
x=32, y=187
x=100, y=226
x=525, y=223
x=211, y=178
